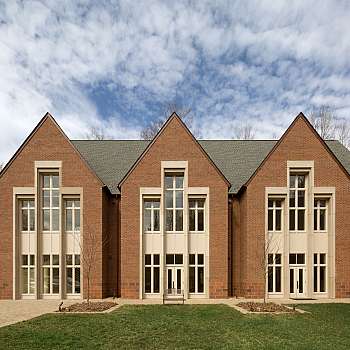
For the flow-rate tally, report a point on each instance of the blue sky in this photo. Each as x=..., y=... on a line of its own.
x=115, y=64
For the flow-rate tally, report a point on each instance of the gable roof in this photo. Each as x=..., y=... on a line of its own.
x=172, y=117
x=237, y=159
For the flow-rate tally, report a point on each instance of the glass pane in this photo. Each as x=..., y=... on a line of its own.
x=301, y=258
x=147, y=220
x=55, y=280
x=55, y=259
x=69, y=204
x=278, y=204
x=31, y=280
x=24, y=259
x=322, y=203
x=270, y=203
x=315, y=259
x=292, y=199
x=179, y=199
x=55, y=219
x=179, y=259
x=69, y=259
x=156, y=259
x=192, y=203
x=168, y=182
x=32, y=259
x=24, y=280
x=46, y=181
x=69, y=223
x=46, y=279
x=192, y=220
x=278, y=259
x=156, y=220
x=322, y=258
x=270, y=258
x=200, y=203
x=55, y=199
x=24, y=220
x=178, y=279
x=200, y=281
x=170, y=259
x=156, y=280
x=315, y=219
x=69, y=282
x=315, y=278
x=31, y=204
x=292, y=181
x=169, y=199
x=322, y=219
x=77, y=259
x=179, y=181
x=170, y=279
x=77, y=219
x=200, y=220
x=270, y=219
x=291, y=281
x=278, y=279
x=77, y=280
x=77, y=203
x=46, y=220
x=32, y=219
x=278, y=214
x=148, y=259
x=301, y=198
x=200, y=259
x=192, y=259
x=301, y=281
x=270, y=279
x=169, y=220
x=46, y=259
x=301, y=181
x=192, y=280
x=292, y=220
x=322, y=279
x=179, y=220
x=55, y=181
x=315, y=203
x=301, y=219
x=292, y=258
x=148, y=280
x=148, y=203
x=46, y=199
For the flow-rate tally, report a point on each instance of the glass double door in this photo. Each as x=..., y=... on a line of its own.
x=297, y=281
x=175, y=279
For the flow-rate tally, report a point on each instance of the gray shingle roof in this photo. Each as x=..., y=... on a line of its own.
x=236, y=159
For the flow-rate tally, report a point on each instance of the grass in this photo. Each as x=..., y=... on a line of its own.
x=184, y=327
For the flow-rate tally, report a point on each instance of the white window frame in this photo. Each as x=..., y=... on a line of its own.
x=274, y=209
x=50, y=208
x=73, y=266
x=274, y=265
x=152, y=266
x=29, y=267
x=50, y=266
x=294, y=188
x=196, y=209
x=30, y=211
x=152, y=210
x=318, y=209
x=174, y=189
x=196, y=266
x=76, y=211
x=318, y=266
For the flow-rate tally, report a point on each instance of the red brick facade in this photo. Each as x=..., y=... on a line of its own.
x=236, y=222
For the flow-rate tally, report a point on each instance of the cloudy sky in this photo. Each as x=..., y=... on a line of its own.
x=117, y=63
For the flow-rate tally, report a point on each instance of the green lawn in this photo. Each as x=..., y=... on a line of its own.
x=186, y=327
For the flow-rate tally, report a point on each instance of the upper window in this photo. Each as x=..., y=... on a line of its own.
x=320, y=215
x=72, y=208
x=27, y=215
x=50, y=202
x=196, y=214
x=297, y=202
x=274, y=214
x=151, y=215
x=174, y=201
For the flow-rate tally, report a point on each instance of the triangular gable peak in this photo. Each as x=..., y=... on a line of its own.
x=300, y=118
x=48, y=118
x=172, y=119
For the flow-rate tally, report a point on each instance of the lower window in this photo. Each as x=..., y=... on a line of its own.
x=320, y=275
x=152, y=273
x=28, y=274
x=51, y=274
x=73, y=273
x=196, y=273
x=274, y=273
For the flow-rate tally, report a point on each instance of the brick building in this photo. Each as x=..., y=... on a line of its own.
x=206, y=218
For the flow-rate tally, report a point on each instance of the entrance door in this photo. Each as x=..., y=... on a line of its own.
x=175, y=279
x=297, y=282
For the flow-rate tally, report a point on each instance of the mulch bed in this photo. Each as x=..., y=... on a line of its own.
x=261, y=307
x=96, y=306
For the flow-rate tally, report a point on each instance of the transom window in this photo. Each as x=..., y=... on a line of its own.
x=196, y=273
x=174, y=259
x=152, y=273
x=320, y=214
x=174, y=201
x=296, y=259
x=274, y=214
x=50, y=202
x=151, y=215
x=28, y=274
x=320, y=273
x=274, y=280
x=297, y=202
x=72, y=207
x=27, y=215
x=196, y=214
x=73, y=273
x=51, y=274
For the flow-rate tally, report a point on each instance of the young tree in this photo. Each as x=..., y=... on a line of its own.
x=1, y=166
x=244, y=132
x=95, y=133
